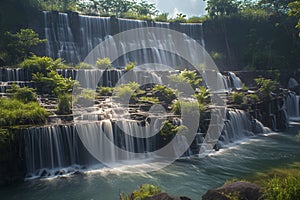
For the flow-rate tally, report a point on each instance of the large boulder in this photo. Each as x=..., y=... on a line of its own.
x=240, y=190
x=165, y=196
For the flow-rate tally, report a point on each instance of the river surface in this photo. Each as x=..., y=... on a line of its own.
x=190, y=177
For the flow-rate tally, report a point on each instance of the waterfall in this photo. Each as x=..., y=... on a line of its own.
x=14, y=74
x=57, y=150
x=60, y=41
x=93, y=30
x=72, y=37
x=240, y=125
x=292, y=105
x=53, y=150
x=236, y=81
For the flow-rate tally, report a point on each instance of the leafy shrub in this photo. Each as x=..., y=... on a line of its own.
x=163, y=17
x=24, y=94
x=129, y=66
x=217, y=55
x=164, y=94
x=195, y=19
x=237, y=97
x=168, y=130
x=244, y=88
x=129, y=15
x=144, y=192
x=83, y=65
x=106, y=91
x=53, y=83
x=144, y=17
x=85, y=98
x=14, y=112
x=186, y=76
x=103, y=63
x=125, y=92
x=64, y=104
x=191, y=108
x=149, y=99
x=202, y=95
x=252, y=98
x=266, y=86
x=287, y=188
x=43, y=64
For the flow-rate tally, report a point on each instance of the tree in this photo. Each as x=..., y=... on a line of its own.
x=16, y=46
x=295, y=11
x=222, y=7
x=276, y=6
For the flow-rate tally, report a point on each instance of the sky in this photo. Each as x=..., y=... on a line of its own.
x=188, y=7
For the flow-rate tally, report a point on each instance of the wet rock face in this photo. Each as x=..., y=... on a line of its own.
x=240, y=190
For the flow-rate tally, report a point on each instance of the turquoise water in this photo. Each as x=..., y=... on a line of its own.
x=189, y=177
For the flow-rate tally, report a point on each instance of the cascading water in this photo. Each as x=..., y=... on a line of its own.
x=236, y=81
x=56, y=150
x=60, y=40
x=72, y=37
x=240, y=125
x=14, y=75
x=292, y=105
x=93, y=30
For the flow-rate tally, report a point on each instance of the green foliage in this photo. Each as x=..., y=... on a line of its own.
x=58, y=5
x=202, y=95
x=287, y=188
x=222, y=7
x=217, y=55
x=14, y=112
x=295, y=11
x=53, y=83
x=180, y=17
x=42, y=65
x=125, y=91
x=83, y=65
x=103, y=63
x=277, y=7
x=4, y=136
x=129, y=66
x=164, y=93
x=144, y=192
x=185, y=76
x=16, y=46
x=252, y=98
x=118, y=8
x=106, y=91
x=298, y=135
x=195, y=19
x=168, y=129
x=86, y=97
x=24, y=94
x=244, y=88
x=163, y=17
x=237, y=97
x=191, y=108
x=149, y=99
x=266, y=86
x=64, y=104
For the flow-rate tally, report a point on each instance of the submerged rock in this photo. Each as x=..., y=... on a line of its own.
x=239, y=190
